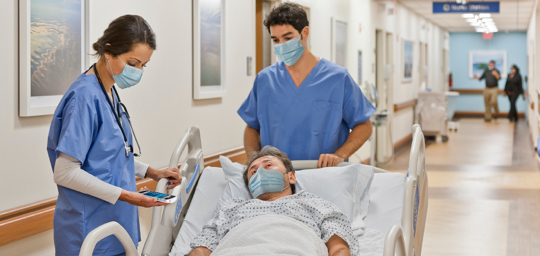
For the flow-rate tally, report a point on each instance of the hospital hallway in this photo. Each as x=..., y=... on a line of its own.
x=484, y=190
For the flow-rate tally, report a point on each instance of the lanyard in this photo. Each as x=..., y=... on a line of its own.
x=118, y=117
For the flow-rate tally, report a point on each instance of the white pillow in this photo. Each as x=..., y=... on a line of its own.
x=347, y=187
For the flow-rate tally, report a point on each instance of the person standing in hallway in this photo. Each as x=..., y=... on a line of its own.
x=513, y=88
x=90, y=144
x=491, y=91
x=304, y=105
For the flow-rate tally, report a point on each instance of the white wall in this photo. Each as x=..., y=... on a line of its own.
x=405, y=24
x=161, y=106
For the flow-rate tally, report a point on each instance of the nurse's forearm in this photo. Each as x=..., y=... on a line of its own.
x=68, y=173
x=252, y=140
x=358, y=136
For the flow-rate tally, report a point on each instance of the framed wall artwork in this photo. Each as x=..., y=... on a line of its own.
x=407, y=60
x=359, y=67
x=208, y=49
x=52, y=52
x=339, y=42
x=479, y=61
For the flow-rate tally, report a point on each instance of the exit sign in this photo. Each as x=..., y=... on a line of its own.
x=487, y=36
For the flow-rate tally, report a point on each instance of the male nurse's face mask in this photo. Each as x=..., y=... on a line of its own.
x=289, y=52
x=265, y=181
x=129, y=77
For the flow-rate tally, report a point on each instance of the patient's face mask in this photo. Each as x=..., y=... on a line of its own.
x=265, y=181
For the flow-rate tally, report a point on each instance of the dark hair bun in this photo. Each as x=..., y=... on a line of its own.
x=123, y=33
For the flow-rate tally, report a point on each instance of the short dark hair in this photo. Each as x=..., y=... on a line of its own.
x=287, y=14
x=492, y=61
x=269, y=151
x=123, y=33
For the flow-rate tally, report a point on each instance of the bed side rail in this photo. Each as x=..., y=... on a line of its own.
x=312, y=164
x=415, y=202
x=394, y=243
x=105, y=230
x=167, y=220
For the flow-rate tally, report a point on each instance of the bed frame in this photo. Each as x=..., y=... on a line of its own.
x=167, y=220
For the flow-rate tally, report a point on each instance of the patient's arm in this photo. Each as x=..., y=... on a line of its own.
x=337, y=246
x=200, y=251
x=252, y=140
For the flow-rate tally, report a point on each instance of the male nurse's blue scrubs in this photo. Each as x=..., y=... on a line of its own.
x=310, y=120
x=85, y=128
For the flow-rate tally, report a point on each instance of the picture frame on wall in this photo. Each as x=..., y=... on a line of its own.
x=408, y=48
x=479, y=61
x=339, y=42
x=52, y=52
x=208, y=49
x=359, y=67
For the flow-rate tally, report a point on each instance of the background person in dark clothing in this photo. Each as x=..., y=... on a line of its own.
x=491, y=91
x=513, y=88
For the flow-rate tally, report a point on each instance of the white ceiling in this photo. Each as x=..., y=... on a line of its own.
x=514, y=15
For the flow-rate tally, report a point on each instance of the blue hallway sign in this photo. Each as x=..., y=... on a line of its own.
x=450, y=7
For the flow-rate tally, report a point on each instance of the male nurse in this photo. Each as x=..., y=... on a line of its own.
x=306, y=106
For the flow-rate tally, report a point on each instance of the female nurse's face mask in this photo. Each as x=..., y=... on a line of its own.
x=289, y=52
x=265, y=181
x=129, y=77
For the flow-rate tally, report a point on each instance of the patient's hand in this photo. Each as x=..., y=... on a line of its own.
x=337, y=247
x=329, y=160
x=200, y=251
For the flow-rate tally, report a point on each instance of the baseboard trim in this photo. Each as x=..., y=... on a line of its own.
x=31, y=219
x=402, y=142
x=481, y=113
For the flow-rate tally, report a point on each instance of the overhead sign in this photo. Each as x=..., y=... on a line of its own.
x=450, y=7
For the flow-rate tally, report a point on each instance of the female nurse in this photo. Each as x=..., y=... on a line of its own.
x=90, y=144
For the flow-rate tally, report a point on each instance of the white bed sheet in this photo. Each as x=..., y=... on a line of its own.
x=386, y=204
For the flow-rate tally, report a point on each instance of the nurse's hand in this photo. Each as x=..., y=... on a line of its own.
x=172, y=174
x=137, y=199
x=329, y=160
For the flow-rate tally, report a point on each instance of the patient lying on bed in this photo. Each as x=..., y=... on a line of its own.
x=278, y=221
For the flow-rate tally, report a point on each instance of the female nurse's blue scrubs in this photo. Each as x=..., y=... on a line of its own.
x=310, y=120
x=84, y=127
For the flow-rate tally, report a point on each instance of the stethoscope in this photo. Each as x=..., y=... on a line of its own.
x=118, y=117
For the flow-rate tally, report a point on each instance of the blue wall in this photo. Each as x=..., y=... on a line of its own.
x=515, y=44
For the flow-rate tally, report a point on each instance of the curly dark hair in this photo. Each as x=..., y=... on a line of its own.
x=287, y=14
x=269, y=151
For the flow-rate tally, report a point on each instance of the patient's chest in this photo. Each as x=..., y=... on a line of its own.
x=306, y=210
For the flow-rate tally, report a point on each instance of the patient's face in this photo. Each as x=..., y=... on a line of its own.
x=268, y=163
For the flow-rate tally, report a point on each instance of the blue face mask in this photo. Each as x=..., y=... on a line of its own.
x=129, y=77
x=290, y=51
x=265, y=181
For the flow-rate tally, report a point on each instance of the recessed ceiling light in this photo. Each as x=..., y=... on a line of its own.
x=487, y=19
x=471, y=20
x=474, y=24
x=484, y=15
x=467, y=15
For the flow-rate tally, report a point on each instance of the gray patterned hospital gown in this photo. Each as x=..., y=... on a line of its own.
x=318, y=214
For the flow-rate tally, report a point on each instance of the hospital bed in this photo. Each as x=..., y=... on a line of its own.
x=402, y=221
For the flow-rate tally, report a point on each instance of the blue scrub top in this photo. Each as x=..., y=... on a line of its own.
x=85, y=128
x=310, y=120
